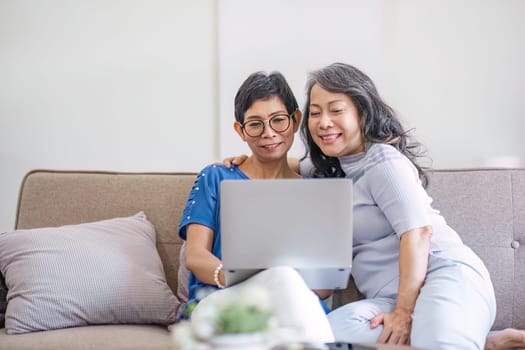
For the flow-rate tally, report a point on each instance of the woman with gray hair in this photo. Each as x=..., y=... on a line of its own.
x=422, y=285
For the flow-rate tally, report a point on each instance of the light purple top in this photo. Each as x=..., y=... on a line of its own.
x=390, y=200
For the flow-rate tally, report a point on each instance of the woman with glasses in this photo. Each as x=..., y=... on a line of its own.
x=266, y=118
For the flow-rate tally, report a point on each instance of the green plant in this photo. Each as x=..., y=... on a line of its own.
x=237, y=317
x=229, y=311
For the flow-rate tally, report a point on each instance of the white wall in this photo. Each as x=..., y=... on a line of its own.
x=132, y=85
x=293, y=37
x=105, y=84
x=457, y=75
x=454, y=70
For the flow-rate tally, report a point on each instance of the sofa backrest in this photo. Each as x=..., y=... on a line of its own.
x=486, y=207
x=56, y=198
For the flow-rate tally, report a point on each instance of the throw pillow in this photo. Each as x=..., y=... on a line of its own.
x=183, y=275
x=105, y=272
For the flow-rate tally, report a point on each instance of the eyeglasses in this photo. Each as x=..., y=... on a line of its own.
x=278, y=123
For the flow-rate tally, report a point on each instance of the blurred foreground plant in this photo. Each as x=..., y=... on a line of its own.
x=245, y=309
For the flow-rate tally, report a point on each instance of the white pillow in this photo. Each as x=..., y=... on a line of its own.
x=104, y=272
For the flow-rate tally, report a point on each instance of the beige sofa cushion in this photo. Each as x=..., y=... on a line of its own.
x=104, y=272
x=108, y=337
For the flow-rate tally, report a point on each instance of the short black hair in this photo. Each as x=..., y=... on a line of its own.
x=261, y=86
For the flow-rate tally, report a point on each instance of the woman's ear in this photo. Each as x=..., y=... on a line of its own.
x=238, y=130
x=297, y=115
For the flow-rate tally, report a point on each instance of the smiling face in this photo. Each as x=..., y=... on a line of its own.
x=334, y=123
x=270, y=145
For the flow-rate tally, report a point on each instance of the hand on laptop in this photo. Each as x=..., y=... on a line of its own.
x=323, y=293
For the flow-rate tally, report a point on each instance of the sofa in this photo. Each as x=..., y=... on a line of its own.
x=486, y=206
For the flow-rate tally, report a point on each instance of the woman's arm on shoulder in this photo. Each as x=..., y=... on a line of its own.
x=199, y=258
x=293, y=163
x=234, y=160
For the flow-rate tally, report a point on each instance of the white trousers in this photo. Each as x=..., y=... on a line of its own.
x=455, y=310
x=296, y=307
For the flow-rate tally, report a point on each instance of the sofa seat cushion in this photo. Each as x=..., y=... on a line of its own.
x=104, y=272
x=114, y=337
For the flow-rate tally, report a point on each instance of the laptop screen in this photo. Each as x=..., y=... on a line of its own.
x=302, y=223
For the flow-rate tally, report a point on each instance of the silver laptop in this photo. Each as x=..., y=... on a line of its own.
x=302, y=223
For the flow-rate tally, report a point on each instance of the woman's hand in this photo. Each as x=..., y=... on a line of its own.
x=238, y=160
x=323, y=293
x=293, y=163
x=396, y=327
x=413, y=261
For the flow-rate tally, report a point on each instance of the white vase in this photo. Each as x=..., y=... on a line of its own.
x=238, y=341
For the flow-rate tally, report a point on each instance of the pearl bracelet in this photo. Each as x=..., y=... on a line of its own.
x=216, y=276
